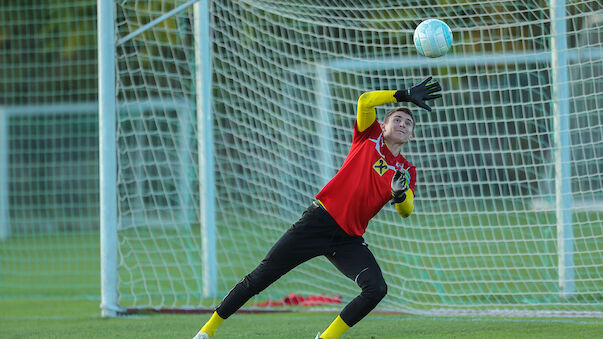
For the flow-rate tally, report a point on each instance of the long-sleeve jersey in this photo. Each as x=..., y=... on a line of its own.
x=362, y=186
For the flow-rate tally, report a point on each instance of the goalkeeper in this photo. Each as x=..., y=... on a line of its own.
x=373, y=173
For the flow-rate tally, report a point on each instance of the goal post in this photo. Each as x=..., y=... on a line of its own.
x=561, y=122
x=4, y=182
x=231, y=115
x=203, y=84
x=107, y=157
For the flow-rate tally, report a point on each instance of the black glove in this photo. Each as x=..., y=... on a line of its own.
x=419, y=93
x=400, y=183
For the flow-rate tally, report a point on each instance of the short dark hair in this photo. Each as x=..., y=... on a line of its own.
x=401, y=109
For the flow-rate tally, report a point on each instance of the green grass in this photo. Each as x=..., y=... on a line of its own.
x=49, y=282
x=441, y=260
x=81, y=319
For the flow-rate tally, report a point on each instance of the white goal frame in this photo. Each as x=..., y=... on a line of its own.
x=563, y=194
x=108, y=106
x=8, y=112
x=107, y=110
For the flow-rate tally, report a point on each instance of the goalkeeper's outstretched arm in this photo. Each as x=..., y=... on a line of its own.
x=426, y=90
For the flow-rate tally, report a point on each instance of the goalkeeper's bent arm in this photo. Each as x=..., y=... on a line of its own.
x=406, y=207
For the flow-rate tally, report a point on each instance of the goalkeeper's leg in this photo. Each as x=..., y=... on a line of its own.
x=357, y=262
x=307, y=238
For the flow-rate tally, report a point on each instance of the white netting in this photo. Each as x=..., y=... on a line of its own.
x=286, y=78
x=48, y=150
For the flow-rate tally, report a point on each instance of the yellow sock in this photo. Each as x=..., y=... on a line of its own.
x=337, y=327
x=212, y=324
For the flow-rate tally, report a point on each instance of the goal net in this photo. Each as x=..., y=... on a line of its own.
x=508, y=209
x=48, y=150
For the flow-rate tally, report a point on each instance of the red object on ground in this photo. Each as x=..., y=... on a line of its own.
x=294, y=299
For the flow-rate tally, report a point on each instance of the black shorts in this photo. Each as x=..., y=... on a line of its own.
x=317, y=233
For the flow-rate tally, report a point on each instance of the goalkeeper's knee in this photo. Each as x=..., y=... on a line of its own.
x=375, y=292
x=373, y=287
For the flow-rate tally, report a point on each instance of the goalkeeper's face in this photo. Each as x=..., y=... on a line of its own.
x=398, y=128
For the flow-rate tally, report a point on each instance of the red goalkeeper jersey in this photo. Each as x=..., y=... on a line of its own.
x=362, y=186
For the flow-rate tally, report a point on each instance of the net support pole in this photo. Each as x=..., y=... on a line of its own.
x=325, y=129
x=203, y=84
x=561, y=125
x=107, y=157
x=4, y=179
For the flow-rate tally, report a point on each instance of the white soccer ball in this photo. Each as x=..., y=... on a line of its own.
x=433, y=38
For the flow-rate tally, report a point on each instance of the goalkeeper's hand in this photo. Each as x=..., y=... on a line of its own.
x=400, y=184
x=427, y=90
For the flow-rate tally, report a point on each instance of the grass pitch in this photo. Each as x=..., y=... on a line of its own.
x=81, y=319
x=49, y=288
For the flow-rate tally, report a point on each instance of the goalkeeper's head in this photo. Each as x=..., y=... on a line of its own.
x=399, y=125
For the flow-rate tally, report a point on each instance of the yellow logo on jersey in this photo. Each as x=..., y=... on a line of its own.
x=380, y=166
